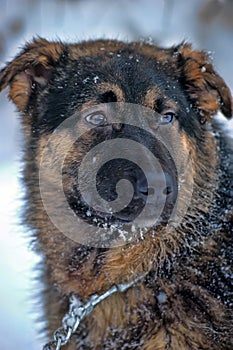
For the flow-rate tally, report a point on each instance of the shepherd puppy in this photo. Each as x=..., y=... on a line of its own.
x=180, y=269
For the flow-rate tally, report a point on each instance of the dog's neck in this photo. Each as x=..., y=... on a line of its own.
x=78, y=311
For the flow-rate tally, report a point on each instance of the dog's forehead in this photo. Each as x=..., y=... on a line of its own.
x=127, y=70
x=125, y=61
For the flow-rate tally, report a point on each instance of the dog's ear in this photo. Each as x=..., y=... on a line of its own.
x=205, y=88
x=30, y=70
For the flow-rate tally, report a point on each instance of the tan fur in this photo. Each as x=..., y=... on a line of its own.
x=105, y=87
x=40, y=51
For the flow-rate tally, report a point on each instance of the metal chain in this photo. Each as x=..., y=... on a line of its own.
x=78, y=311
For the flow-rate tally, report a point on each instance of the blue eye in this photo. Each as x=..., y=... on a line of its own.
x=167, y=118
x=97, y=118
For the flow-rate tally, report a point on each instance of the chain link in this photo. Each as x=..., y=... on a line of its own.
x=78, y=311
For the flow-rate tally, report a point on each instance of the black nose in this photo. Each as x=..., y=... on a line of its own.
x=155, y=189
x=152, y=189
x=150, y=185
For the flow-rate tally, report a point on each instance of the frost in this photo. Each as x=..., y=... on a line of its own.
x=149, y=41
x=86, y=80
x=175, y=54
x=162, y=298
x=88, y=213
x=133, y=228
x=95, y=79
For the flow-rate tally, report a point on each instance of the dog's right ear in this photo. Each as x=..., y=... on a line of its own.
x=30, y=70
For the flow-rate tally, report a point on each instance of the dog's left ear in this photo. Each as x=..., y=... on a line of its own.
x=205, y=88
x=30, y=70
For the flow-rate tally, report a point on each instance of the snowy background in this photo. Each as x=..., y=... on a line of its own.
x=208, y=24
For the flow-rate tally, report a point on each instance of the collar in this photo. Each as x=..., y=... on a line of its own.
x=78, y=311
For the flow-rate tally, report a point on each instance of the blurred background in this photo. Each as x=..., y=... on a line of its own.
x=206, y=23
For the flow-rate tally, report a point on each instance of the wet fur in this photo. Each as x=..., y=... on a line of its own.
x=191, y=265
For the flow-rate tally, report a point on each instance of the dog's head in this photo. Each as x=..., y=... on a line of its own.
x=140, y=94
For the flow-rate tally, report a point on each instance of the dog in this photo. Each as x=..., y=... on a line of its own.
x=176, y=272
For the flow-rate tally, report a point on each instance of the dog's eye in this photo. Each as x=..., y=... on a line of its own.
x=97, y=118
x=167, y=118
